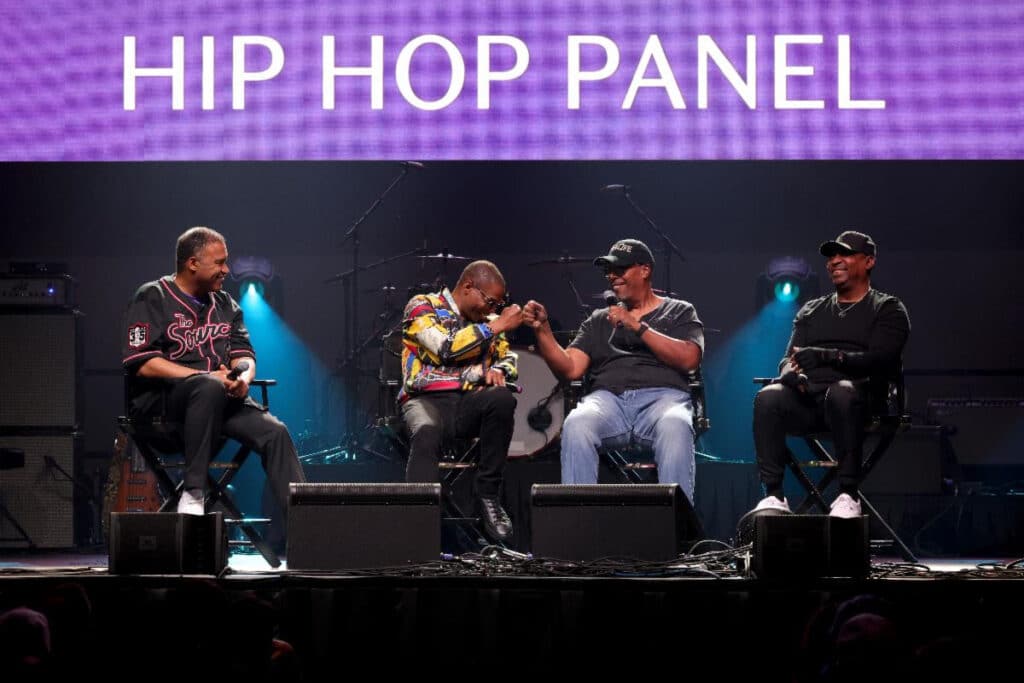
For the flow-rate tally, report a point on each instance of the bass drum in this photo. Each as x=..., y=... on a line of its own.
x=540, y=407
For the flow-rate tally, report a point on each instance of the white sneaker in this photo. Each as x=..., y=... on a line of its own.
x=845, y=507
x=772, y=503
x=191, y=503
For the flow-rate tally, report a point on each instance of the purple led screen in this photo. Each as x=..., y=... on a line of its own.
x=950, y=72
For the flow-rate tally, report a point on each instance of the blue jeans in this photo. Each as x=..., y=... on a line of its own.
x=661, y=419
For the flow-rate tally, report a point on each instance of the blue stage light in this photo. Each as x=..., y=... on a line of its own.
x=786, y=280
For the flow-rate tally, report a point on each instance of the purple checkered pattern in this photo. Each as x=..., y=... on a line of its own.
x=950, y=71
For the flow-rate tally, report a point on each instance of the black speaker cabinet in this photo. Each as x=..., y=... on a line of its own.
x=167, y=543
x=641, y=521
x=352, y=526
x=36, y=489
x=39, y=368
x=805, y=546
x=915, y=464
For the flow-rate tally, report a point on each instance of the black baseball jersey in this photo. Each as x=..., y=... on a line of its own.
x=164, y=321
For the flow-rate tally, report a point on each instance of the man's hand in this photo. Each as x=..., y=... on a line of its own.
x=534, y=314
x=237, y=388
x=510, y=319
x=811, y=357
x=793, y=380
x=618, y=316
x=494, y=377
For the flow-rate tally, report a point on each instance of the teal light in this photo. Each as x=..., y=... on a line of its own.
x=252, y=288
x=786, y=291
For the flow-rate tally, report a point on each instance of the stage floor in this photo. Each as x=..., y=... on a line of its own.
x=240, y=565
x=944, y=619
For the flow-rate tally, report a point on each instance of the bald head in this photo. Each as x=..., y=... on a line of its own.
x=481, y=273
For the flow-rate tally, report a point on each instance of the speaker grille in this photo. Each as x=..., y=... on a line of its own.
x=38, y=369
x=38, y=495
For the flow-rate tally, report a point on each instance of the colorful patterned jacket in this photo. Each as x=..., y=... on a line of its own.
x=441, y=351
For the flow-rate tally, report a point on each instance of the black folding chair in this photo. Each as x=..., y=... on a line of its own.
x=156, y=437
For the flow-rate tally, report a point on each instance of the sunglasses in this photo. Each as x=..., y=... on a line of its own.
x=493, y=304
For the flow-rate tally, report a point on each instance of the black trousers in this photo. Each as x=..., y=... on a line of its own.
x=205, y=411
x=780, y=410
x=433, y=417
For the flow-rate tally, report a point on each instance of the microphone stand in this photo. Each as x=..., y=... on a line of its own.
x=350, y=296
x=668, y=247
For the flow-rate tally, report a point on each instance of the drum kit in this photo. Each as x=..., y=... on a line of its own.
x=542, y=400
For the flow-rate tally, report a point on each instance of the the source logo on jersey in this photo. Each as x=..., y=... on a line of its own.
x=188, y=337
x=138, y=335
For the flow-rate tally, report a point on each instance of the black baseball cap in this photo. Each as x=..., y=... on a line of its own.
x=849, y=242
x=626, y=253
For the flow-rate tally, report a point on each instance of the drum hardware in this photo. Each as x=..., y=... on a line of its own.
x=566, y=262
x=667, y=247
x=350, y=306
x=443, y=258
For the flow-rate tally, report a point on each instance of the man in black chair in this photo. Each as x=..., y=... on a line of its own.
x=844, y=347
x=181, y=335
x=455, y=365
x=640, y=356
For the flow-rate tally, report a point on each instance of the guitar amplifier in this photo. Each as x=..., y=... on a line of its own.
x=40, y=353
x=982, y=431
x=37, y=491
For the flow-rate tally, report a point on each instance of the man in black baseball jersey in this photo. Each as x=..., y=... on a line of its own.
x=181, y=335
x=844, y=348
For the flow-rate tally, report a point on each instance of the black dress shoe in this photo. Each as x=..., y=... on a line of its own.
x=497, y=525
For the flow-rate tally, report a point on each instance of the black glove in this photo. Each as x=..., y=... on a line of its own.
x=811, y=357
x=791, y=379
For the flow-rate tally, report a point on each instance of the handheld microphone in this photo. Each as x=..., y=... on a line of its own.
x=243, y=365
x=612, y=300
x=413, y=164
x=616, y=188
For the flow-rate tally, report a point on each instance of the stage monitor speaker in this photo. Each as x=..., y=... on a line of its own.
x=353, y=526
x=167, y=543
x=982, y=431
x=39, y=494
x=806, y=546
x=642, y=521
x=34, y=346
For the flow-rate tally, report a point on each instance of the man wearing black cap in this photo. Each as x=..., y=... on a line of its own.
x=640, y=353
x=843, y=346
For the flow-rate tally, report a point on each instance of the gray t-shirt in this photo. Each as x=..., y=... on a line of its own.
x=620, y=360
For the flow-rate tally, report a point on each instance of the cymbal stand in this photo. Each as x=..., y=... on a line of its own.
x=350, y=303
x=584, y=308
x=667, y=247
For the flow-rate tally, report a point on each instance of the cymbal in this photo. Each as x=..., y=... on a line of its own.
x=446, y=257
x=385, y=288
x=563, y=260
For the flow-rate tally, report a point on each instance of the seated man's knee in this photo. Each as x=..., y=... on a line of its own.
x=581, y=422
x=770, y=397
x=426, y=432
x=842, y=395
x=675, y=424
x=206, y=388
x=500, y=399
